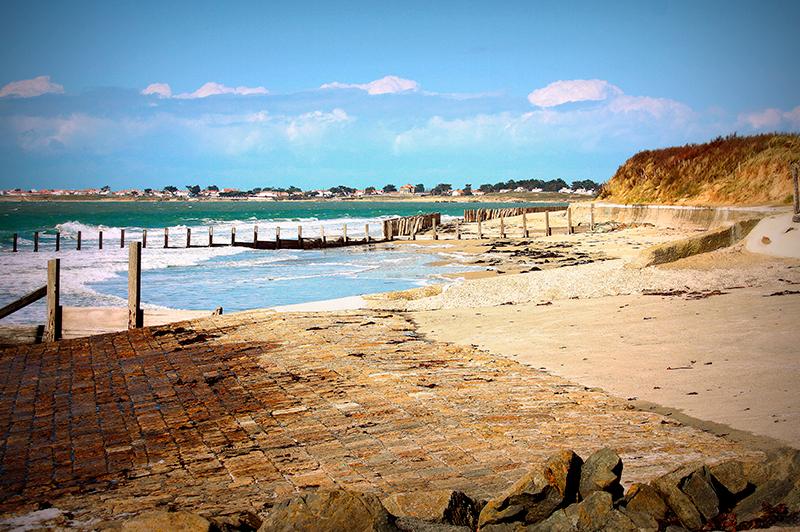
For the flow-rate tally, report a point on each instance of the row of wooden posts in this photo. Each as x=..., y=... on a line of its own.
x=52, y=291
x=390, y=227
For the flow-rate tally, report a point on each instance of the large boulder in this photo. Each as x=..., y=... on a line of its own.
x=644, y=499
x=159, y=520
x=776, y=481
x=538, y=494
x=330, y=511
x=439, y=506
x=698, y=488
x=669, y=487
x=592, y=512
x=602, y=472
x=730, y=479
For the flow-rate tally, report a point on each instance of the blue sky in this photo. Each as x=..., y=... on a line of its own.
x=323, y=93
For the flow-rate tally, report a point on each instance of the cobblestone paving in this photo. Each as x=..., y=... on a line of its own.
x=231, y=412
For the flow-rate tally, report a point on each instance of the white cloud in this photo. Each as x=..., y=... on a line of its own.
x=213, y=89
x=163, y=90
x=28, y=88
x=385, y=85
x=771, y=119
x=574, y=90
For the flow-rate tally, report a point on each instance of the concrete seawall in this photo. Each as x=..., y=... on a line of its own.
x=676, y=216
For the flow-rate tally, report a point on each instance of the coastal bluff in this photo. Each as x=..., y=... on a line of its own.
x=734, y=170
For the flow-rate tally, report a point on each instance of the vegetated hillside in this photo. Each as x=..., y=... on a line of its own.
x=727, y=171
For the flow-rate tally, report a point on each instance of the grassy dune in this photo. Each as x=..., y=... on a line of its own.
x=727, y=171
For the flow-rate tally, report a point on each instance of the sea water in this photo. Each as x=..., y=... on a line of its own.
x=202, y=278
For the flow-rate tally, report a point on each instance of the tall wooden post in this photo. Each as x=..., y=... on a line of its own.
x=52, y=331
x=78, y=247
x=255, y=235
x=36, y=241
x=233, y=236
x=480, y=231
x=144, y=238
x=796, y=178
x=14, y=243
x=591, y=217
x=458, y=230
x=122, y=238
x=344, y=233
x=366, y=232
x=210, y=236
x=166, y=237
x=300, y=235
x=502, y=227
x=58, y=240
x=278, y=237
x=435, y=234
x=570, y=230
x=99, y=240
x=135, y=314
x=322, y=233
x=188, y=237
x=547, y=230
x=525, y=224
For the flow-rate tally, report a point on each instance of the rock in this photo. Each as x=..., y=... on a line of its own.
x=330, y=511
x=414, y=524
x=642, y=498
x=538, y=494
x=158, y=520
x=777, y=481
x=729, y=476
x=440, y=506
x=668, y=486
x=644, y=522
x=240, y=522
x=766, y=240
x=698, y=488
x=602, y=471
x=558, y=522
x=618, y=521
x=591, y=513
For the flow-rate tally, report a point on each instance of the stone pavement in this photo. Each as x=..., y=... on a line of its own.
x=229, y=413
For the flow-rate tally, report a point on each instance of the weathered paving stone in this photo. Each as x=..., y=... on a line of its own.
x=266, y=404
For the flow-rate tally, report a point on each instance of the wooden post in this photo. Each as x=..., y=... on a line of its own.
x=300, y=235
x=233, y=236
x=569, y=221
x=99, y=240
x=277, y=237
x=144, y=238
x=502, y=227
x=210, y=236
x=480, y=231
x=366, y=232
x=591, y=217
x=458, y=230
x=414, y=232
x=122, y=238
x=322, y=233
x=36, y=241
x=525, y=225
x=52, y=331
x=435, y=234
x=188, y=237
x=58, y=240
x=166, y=237
x=255, y=235
x=796, y=178
x=14, y=243
x=135, y=315
x=79, y=241
x=344, y=233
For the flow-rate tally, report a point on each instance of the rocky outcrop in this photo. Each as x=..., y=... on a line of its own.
x=330, y=511
x=440, y=506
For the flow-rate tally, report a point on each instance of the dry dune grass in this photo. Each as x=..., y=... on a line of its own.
x=727, y=171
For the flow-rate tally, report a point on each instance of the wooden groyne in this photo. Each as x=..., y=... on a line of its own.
x=474, y=215
x=410, y=225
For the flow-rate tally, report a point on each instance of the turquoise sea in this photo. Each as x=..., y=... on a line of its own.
x=235, y=278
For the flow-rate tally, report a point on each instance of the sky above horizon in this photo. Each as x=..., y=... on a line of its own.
x=317, y=94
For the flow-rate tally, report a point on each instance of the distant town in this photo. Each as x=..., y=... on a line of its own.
x=585, y=187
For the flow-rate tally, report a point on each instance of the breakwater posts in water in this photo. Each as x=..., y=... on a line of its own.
x=411, y=225
x=474, y=215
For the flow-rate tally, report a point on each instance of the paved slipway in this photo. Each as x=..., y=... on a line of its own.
x=228, y=413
